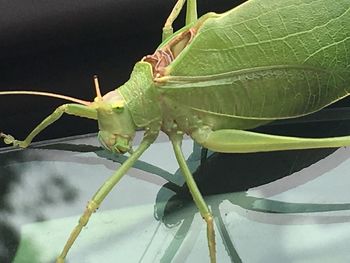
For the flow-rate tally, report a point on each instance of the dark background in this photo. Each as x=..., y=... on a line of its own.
x=58, y=46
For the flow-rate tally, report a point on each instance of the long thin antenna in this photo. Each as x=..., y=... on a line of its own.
x=46, y=94
x=97, y=87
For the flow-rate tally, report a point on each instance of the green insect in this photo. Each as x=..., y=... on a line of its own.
x=217, y=77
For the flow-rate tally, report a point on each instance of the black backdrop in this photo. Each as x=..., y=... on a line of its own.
x=58, y=45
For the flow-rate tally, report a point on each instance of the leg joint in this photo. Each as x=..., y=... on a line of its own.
x=208, y=217
x=62, y=108
x=91, y=208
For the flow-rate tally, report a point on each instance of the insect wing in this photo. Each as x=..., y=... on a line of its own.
x=264, y=60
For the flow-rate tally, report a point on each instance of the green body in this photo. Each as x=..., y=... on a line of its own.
x=216, y=77
x=262, y=61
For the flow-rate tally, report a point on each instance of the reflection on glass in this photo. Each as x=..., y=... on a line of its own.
x=268, y=207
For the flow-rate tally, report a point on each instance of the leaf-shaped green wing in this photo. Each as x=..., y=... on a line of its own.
x=265, y=60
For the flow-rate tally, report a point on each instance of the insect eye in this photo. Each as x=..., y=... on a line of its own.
x=118, y=109
x=118, y=106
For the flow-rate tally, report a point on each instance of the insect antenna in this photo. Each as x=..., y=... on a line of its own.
x=45, y=94
x=97, y=87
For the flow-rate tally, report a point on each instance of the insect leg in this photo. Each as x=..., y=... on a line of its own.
x=176, y=140
x=191, y=16
x=191, y=11
x=104, y=190
x=238, y=141
x=168, y=26
x=72, y=109
x=229, y=247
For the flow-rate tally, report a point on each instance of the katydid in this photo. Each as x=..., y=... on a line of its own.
x=217, y=77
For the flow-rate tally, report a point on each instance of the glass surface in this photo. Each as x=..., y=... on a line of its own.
x=290, y=206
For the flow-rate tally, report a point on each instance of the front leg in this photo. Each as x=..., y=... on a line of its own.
x=176, y=140
x=71, y=109
x=103, y=191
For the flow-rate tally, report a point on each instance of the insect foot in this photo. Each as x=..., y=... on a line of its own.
x=8, y=139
